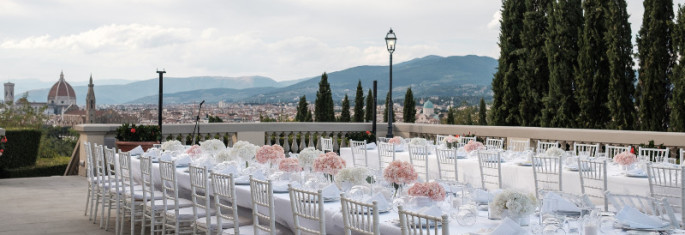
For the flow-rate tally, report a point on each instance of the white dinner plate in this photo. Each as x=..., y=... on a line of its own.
x=643, y=175
x=619, y=225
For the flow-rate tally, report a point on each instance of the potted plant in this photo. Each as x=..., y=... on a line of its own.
x=363, y=135
x=130, y=136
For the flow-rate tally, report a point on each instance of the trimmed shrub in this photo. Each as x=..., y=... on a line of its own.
x=43, y=167
x=21, y=148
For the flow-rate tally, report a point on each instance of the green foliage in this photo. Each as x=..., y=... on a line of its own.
x=385, y=112
x=534, y=79
x=621, y=73
x=409, y=110
x=561, y=45
x=363, y=135
x=450, y=117
x=464, y=115
x=345, y=114
x=133, y=132
x=359, y=104
x=656, y=59
x=677, y=103
x=43, y=167
x=482, y=113
x=266, y=119
x=215, y=119
x=21, y=148
x=323, y=105
x=303, y=114
x=21, y=114
x=57, y=142
x=370, y=108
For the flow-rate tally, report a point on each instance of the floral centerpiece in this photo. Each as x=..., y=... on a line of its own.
x=130, y=136
x=212, y=146
x=555, y=152
x=473, y=145
x=290, y=165
x=625, y=159
x=418, y=141
x=270, y=154
x=329, y=164
x=395, y=140
x=400, y=173
x=172, y=145
x=225, y=156
x=513, y=204
x=451, y=141
x=307, y=156
x=194, y=151
x=432, y=190
x=348, y=177
x=244, y=150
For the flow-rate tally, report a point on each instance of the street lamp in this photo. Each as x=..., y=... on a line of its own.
x=390, y=40
x=159, y=109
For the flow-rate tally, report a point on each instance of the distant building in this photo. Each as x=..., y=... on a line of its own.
x=90, y=102
x=61, y=96
x=9, y=92
x=428, y=116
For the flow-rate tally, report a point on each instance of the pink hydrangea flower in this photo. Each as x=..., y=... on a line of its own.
x=290, y=165
x=625, y=158
x=329, y=163
x=400, y=172
x=395, y=140
x=433, y=190
x=473, y=145
x=270, y=154
x=194, y=151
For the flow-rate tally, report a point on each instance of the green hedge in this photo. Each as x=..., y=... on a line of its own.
x=21, y=148
x=43, y=167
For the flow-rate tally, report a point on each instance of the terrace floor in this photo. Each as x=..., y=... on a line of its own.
x=46, y=205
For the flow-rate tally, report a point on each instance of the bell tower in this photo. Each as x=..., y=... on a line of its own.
x=90, y=102
x=9, y=92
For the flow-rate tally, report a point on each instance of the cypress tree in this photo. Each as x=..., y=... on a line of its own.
x=323, y=106
x=592, y=81
x=345, y=115
x=621, y=73
x=505, y=83
x=359, y=103
x=309, y=117
x=370, y=109
x=482, y=113
x=385, y=112
x=469, y=119
x=534, y=79
x=656, y=58
x=450, y=116
x=677, y=122
x=561, y=45
x=409, y=110
x=302, y=110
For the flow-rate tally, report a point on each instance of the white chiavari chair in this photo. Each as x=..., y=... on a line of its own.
x=591, y=149
x=199, y=191
x=386, y=154
x=360, y=157
x=309, y=206
x=154, y=209
x=447, y=164
x=682, y=155
x=412, y=223
x=653, y=154
x=648, y=205
x=226, y=205
x=114, y=189
x=418, y=157
x=176, y=219
x=490, y=163
x=360, y=217
x=612, y=150
x=543, y=146
x=494, y=144
x=593, y=178
x=439, y=139
x=91, y=177
x=263, y=196
x=103, y=182
x=465, y=140
x=518, y=145
x=326, y=144
x=132, y=199
x=547, y=173
x=666, y=181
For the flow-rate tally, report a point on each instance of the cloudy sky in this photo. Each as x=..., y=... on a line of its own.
x=284, y=40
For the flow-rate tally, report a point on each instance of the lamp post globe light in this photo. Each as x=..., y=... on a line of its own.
x=390, y=40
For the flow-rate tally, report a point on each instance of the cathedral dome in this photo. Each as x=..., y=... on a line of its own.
x=61, y=89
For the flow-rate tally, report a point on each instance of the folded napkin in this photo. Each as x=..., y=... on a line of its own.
x=633, y=218
x=508, y=227
x=331, y=191
x=204, y=161
x=371, y=146
x=282, y=185
x=183, y=159
x=168, y=157
x=554, y=202
x=482, y=196
x=383, y=204
x=245, y=178
x=137, y=150
x=636, y=171
x=225, y=168
x=434, y=211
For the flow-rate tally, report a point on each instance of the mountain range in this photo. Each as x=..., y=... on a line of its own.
x=428, y=76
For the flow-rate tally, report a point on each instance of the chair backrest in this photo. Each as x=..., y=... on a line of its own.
x=547, y=173
x=518, y=145
x=653, y=154
x=386, y=154
x=593, y=178
x=147, y=179
x=465, y=140
x=612, y=150
x=263, y=196
x=223, y=187
x=666, y=181
x=327, y=144
x=360, y=217
x=494, y=144
x=308, y=205
x=360, y=157
x=199, y=190
x=113, y=175
x=648, y=205
x=543, y=146
x=591, y=149
x=490, y=163
x=100, y=165
x=412, y=223
x=167, y=173
x=418, y=156
x=90, y=169
x=447, y=164
x=439, y=139
x=682, y=155
x=125, y=171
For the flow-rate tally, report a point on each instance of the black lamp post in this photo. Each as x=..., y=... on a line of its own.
x=390, y=40
x=159, y=109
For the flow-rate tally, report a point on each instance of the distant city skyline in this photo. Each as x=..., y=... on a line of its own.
x=283, y=40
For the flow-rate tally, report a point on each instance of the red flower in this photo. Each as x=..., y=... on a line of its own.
x=368, y=132
x=4, y=139
x=2, y=150
x=456, y=136
x=632, y=150
x=133, y=130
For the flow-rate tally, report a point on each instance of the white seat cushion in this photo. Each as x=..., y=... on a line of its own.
x=159, y=204
x=138, y=195
x=202, y=222
x=186, y=213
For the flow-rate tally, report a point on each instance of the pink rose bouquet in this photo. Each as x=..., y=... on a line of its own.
x=395, y=140
x=473, y=145
x=433, y=190
x=400, y=172
x=194, y=151
x=270, y=154
x=329, y=163
x=625, y=158
x=290, y=165
x=451, y=141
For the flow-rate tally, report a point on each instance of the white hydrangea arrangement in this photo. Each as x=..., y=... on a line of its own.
x=353, y=175
x=212, y=146
x=244, y=150
x=225, y=156
x=516, y=204
x=307, y=156
x=555, y=152
x=172, y=145
x=418, y=141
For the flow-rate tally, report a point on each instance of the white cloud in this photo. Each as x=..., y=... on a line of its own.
x=494, y=23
